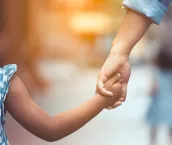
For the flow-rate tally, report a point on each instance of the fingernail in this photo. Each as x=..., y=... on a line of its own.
x=104, y=89
x=101, y=84
x=109, y=108
x=110, y=93
x=118, y=74
x=121, y=99
x=120, y=103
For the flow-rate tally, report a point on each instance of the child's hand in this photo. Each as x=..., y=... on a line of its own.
x=115, y=87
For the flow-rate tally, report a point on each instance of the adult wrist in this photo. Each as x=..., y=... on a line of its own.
x=120, y=55
x=120, y=49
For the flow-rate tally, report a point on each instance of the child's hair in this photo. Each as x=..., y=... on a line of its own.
x=164, y=57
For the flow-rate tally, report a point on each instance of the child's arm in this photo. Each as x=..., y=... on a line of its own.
x=34, y=119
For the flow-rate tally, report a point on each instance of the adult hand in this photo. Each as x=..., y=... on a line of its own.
x=115, y=63
x=130, y=32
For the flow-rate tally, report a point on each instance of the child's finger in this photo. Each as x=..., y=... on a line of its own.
x=117, y=87
x=102, y=91
x=100, y=84
x=122, y=99
x=113, y=80
x=109, y=108
x=117, y=104
x=105, y=93
x=116, y=78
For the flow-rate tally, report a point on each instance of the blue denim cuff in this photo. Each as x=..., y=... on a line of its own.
x=153, y=9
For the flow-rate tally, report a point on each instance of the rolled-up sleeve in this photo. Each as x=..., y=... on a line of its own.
x=153, y=9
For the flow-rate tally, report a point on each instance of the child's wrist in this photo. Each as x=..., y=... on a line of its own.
x=101, y=100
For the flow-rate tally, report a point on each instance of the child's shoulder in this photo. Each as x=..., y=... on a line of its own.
x=8, y=70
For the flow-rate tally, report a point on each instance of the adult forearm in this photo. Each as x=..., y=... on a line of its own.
x=131, y=31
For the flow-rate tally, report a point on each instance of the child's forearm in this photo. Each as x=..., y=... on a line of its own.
x=24, y=110
x=131, y=31
x=70, y=121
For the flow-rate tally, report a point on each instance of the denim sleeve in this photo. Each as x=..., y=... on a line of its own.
x=153, y=9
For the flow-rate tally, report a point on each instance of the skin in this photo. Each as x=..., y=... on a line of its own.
x=132, y=29
x=26, y=112
x=35, y=120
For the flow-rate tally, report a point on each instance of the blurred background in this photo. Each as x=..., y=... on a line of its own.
x=59, y=47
